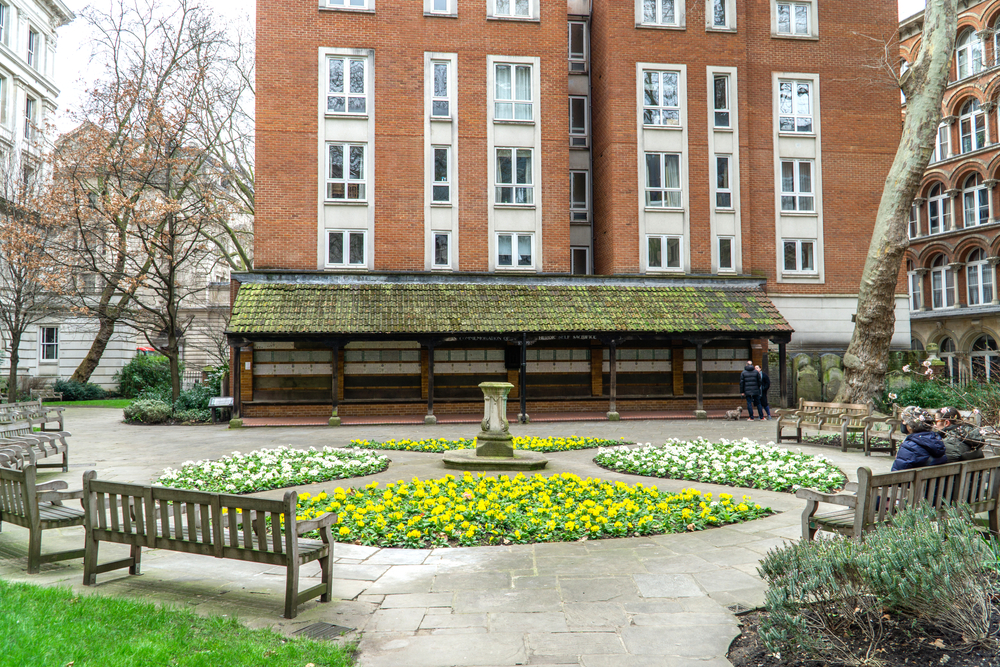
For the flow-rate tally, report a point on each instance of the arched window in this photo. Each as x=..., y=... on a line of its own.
x=902, y=70
x=913, y=221
x=972, y=126
x=915, y=282
x=938, y=211
x=977, y=201
x=985, y=359
x=946, y=351
x=979, y=276
x=968, y=54
x=943, y=144
x=916, y=345
x=942, y=284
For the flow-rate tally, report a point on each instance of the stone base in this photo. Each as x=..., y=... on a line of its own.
x=700, y=414
x=466, y=459
x=334, y=421
x=430, y=420
x=614, y=417
x=236, y=423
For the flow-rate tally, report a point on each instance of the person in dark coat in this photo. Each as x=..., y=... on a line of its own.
x=923, y=447
x=750, y=389
x=765, y=384
x=962, y=442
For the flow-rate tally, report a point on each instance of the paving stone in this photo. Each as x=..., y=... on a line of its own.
x=398, y=557
x=434, y=620
x=470, y=581
x=731, y=556
x=678, y=565
x=417, y=600
x=354, y=551
x=688, y=641
x=512, y=600
x=722, y=537
x=544, y=621
x=472, y=650
x=571, y=643
x=763, y=546
x=667, y=585
x=397, y=620
x=594, y=589
x=662, y=606
x=365, y=572
x=726, y=580
x=535, y=582
x=455, y=631
x=682, y=619
x=588, y=615
x=404, y=579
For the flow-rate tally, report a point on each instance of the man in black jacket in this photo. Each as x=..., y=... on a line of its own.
x=750, y=389
x=765, y=384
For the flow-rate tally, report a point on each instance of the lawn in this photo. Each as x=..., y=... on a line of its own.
x=119, y=403
x=52, y=626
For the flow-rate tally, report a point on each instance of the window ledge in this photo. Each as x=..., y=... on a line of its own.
x=809, y=275
x=440, y=15
x=669, y=209
x=442, y=269
x=728, y=130
x=718, y=29
x=441, y=119
x=788, y=134
x=656, y=270
x=662, y=127
x=49, y=362
x=516, y=19
x=346, y=267
x=514, y=206
x=725, y=210
x=660, y=26
x=798, y=214
x=512, y=121
x=441, y=204
x=801, y=38
x=337, y=202
x=356, y=10
x=728, y=272
x=346, y=116
x=514, y=269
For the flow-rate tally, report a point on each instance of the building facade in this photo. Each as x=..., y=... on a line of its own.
x=954, y=241
x=715, y=146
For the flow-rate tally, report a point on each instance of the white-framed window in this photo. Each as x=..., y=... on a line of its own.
x=797, y=186
x=795, y=109
x=578, y=130
x=512, y=93
x=794, y=18
x=579, y=206
x=345, y=175
x=985, y=359
x=441, y=187
x=799, y=255
x=979, y=278
x=662, y=12
x=577, y=46
x=726, y=248
x=968, y=54
x=347, y=85
x=30, y=105
x=938, y=211
x=912, y=226
x=723, y=187
x=915, y=282
x=441, y=97
x=515, y=251
x=345, y=247
x=4, y=20
x=348, y=4
x=48, y=343
x=440, y=7
x=948, y=351
x=976, y=198
x=720, y=14
x=942, y=284
x=972, y=126
x=514, y=177
x=441, y=255
x=580, y=259
x=33, y=48
x=663, y=252
x=661, y=103
x=511, y=9
x=663, y=180
x=720, y=97
x=943, y=143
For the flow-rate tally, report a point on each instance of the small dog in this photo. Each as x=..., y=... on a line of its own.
x=734, y=415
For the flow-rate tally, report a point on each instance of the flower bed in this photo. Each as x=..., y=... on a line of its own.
x=266, y=469
x=520, y=442
x=743, y=463
x=479, y=510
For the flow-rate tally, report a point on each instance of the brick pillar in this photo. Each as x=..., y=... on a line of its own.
x=246, y=375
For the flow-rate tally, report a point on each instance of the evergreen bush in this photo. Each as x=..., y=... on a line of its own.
x=142, y=373
x=79, y=391
x=148, y=411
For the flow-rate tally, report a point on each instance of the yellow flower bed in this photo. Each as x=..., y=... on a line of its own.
x=520, y=442
x=478, y=510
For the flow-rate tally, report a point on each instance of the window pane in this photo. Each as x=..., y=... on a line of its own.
x=357, y=76
x=672, y=167
x=649, y=11
x=788, y=177
x=973, y=280
x=440, y=80
x=503, y=7
x=987, y=283
x=504, y=166
x=673, y=253
x=336, y=161
x=336, y=75
x=719, y=13
x=440, y=108
x=336, y=242
x=357, y=248
x=653, y=177
x=655, y=257
x=784, y=19
x=524, y=251
x=521, y=7
x=524, y=167
x=523, y=82
x=651, y=89
x=357, y=163
x=576, y=40
x=441, y=249
x=805, y=177
x=668, y=11
x=441, y=165
x=801, y=20
x=577, y=115
x=579, y=261
x=790, y=256
x=578, y=189
x=725, y=253
x=503, y=82
x=440, y=5
x=808, y=263
x=802, y=99
x=505, y=252
x=722, y=173
x=670, y=89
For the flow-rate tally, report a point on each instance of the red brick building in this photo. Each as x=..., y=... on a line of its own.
x=954, y=241
x=712, y=151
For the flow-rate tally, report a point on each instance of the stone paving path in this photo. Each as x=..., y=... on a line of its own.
x=634, y=602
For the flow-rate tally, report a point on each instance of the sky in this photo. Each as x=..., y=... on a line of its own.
x=74, y=52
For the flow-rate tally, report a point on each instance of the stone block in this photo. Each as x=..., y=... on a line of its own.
x=807, y=383
x=833, y=379
x=828, y=361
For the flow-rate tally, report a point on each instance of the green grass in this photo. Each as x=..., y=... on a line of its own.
x=102, y=403
x=52, y=626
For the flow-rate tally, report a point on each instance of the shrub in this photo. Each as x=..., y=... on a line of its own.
x=937, y=393
x=195, y=398
x=79, y=391
x=930, y=572
x=148, y=411
x=193, y=415
x=143, y=373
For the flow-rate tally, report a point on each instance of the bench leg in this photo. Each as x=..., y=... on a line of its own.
x=136, y=555
x=34, y=550
x=292, y=589
x=994, y=522
x=90, y=562
x=808, y=532
x=66, y=460
x=326, y=571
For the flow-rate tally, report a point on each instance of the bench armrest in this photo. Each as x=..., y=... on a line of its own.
x=325, y=521
x=844, y=499
x=58, y=496
x=851, y=487
x=875, y=420
x=52, y=486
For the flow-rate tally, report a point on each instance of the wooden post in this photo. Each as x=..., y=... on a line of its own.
x=430, y=418
x=334, y=417
x=613, y=389
x=237, y=371
x=523, y=417
x=699, y=383
x=782, y=364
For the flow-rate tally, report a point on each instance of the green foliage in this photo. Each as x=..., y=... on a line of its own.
x=148, y=411
x=932, y=573
x=937, y=393
x=193, y=415
x=143, y=373
x=195, y=398
x=119, y=632
x=79, y=391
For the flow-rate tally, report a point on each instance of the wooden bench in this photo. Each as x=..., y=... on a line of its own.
x=843, y=418
x=36, y=444
x=208, y=524
x=46, y=392
x=39, y=414
x=876, y=498
x=36, y=507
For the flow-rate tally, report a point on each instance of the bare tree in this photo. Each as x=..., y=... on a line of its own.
x=866, y=359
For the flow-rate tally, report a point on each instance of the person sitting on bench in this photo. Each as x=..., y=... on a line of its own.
x=923, y=446
x=962, y=442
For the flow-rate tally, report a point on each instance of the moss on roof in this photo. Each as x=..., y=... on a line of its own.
x=279, y=308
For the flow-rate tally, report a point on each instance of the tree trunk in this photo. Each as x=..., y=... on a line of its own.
x=89, y=363
x=866, y=359
x=15, y=357
x=173, y=354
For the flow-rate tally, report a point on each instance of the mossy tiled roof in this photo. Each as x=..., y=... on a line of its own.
x=374, y=309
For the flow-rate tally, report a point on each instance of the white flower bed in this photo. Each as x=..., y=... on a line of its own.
x=742, y=463
x=266, y=469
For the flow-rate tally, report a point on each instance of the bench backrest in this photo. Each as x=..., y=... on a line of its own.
x=17, y=490
x=16, y=428
x=221, y=525
x=975, y=484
